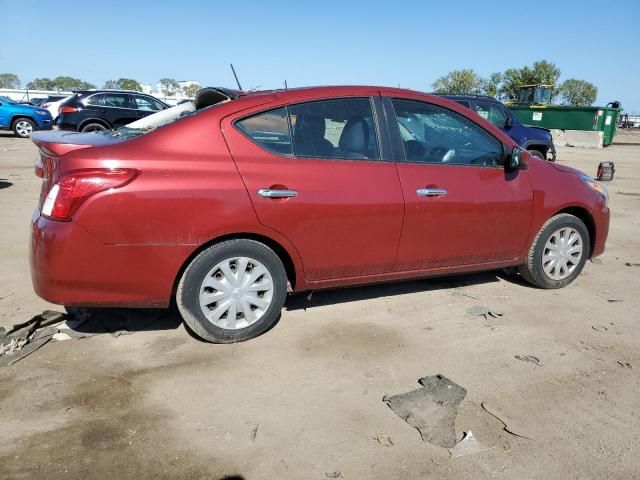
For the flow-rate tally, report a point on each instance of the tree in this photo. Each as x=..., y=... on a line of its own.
x=41, y=84
x=168, y=86
x=491, y=85
x=129, y=84
x=458, y=82
x=112, y=84
x=191, y=90
x=69, y=83
x=60, y=83
x=579, y=93
x=542, y=71
x=9, y=80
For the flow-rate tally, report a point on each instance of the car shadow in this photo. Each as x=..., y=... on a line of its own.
x=319, y=298
x=5, y=183
x=121, y=321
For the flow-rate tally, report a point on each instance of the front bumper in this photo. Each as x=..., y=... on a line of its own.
x=71, y=267
x=601, y=220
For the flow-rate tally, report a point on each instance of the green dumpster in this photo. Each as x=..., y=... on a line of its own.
x=604, y=119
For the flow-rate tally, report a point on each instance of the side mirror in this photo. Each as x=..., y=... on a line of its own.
x=516, y=160
x=508, y=123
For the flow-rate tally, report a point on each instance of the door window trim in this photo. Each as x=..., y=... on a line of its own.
x=379, y=122
x=398, y=146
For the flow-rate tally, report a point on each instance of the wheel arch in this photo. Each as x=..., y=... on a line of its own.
x=584, y=215
x=280, y=251
x=18, y=116
x=84, y=123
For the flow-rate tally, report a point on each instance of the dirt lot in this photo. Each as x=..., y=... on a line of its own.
x=305, y=400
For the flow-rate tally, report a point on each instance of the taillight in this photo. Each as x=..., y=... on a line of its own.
x=75, y=187
x=39, y=168
x=67, y=110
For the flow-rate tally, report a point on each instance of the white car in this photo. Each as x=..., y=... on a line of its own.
x=54, y=106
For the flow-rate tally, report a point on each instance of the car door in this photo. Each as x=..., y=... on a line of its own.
x=461, y=208
x=119, y=108
x=317, y=173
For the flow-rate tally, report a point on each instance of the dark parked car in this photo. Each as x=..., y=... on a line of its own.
x=538, y=141
x=96, y=110
x=228, y=207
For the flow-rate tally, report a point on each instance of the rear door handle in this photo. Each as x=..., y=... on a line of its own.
x=431, y=192
x=269, y=193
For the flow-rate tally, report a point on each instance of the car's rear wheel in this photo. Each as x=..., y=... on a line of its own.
x=23, y=127
x=94, y=127
x=232, y=291
x=558, y=252
x=538, y=153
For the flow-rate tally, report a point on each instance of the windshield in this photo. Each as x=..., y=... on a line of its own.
x=7, y=100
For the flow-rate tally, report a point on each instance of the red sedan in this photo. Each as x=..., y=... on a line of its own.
x=228, y=208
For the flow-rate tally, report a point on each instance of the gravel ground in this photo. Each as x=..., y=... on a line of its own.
x=305, y=399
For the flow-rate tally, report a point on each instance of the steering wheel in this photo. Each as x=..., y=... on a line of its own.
x=439, y=155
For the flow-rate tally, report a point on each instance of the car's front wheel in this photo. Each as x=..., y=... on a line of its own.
x=232, y=291
x=23, y=127
x=558, y=252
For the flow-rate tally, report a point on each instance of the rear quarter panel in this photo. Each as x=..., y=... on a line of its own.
x=189, y=191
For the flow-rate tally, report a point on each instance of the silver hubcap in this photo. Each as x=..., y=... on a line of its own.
x=236, y=293
x=562, y=253
x=23, y=128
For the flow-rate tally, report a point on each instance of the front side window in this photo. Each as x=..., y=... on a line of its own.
x=146, y=103
x=433, y=134
x=269, y=129
x=337, y=128
x=491, y=112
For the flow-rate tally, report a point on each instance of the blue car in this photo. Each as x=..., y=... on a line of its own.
x=537, y=140
x=23, y=119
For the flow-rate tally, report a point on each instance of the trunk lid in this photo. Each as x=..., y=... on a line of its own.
x=55, y=143
x=58, y=142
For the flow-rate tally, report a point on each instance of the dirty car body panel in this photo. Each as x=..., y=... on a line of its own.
x=353, y=219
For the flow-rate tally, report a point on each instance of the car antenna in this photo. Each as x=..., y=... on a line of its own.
x=285, y=85
x=236, y=76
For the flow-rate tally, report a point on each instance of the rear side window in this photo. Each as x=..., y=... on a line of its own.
x=337, y=128
x=269, y=129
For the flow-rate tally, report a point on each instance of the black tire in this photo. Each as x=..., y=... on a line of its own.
x=93, y=127
x=538, y=153
x=18, y=127
x=532, y=271
x=187, y=295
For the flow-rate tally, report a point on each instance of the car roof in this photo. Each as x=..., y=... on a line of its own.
x=108, y=90
x=468, y=97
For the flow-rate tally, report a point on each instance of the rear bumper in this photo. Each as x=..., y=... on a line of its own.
x=70, y=267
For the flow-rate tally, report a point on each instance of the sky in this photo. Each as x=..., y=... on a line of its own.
x=407, y=43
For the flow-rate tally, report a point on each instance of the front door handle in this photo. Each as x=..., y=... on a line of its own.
x=269, y=193
x=431, y=192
